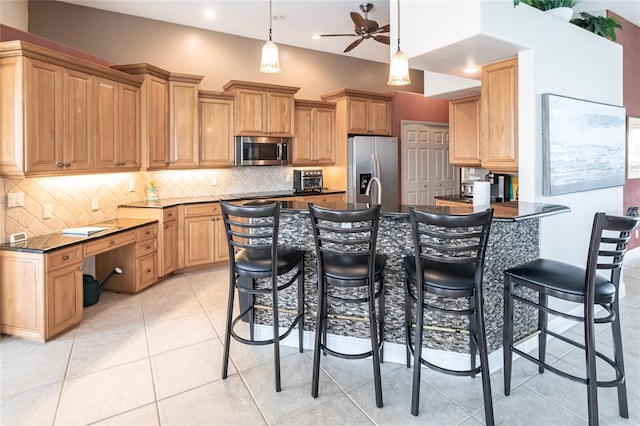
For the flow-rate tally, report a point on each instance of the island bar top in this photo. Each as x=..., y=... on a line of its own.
x=511, y=211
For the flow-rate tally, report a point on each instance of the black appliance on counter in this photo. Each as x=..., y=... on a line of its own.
x=500, y=185
x=307, y=180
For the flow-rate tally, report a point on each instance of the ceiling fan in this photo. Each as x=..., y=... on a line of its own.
x=364, y=28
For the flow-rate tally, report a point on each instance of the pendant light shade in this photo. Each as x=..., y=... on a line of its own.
x=270, y=63
x=399, y=65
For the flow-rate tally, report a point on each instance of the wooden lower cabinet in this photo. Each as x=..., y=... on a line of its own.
x=203, y=234
x=49, y=299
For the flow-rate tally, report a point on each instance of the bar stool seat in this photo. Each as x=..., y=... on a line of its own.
x=258, y=262
x=343, y=269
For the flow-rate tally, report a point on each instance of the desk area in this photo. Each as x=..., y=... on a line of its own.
x=41, y=278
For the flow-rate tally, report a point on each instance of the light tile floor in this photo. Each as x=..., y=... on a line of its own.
x=155, y=358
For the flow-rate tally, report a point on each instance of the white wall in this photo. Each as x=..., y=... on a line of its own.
x=562, y=59
x=15, y=13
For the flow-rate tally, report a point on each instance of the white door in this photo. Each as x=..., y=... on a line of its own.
x=426, y=172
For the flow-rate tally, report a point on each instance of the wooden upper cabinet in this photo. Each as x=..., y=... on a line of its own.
x=499, y=99
x=464, y=132
x=216, y=129
x=154, y=114
x=63, y=115
x=117, y=141
x=366, y=113
x=263, y=109
x=183, y=121
x=314, y=143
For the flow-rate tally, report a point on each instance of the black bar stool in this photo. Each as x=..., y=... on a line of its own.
x=348, y=271
x=448, y=261
x=608, y=244
x=252, y=237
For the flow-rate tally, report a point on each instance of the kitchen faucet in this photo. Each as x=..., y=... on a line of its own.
x=368, y=190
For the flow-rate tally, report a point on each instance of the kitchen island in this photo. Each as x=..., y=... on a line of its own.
x=513, y=240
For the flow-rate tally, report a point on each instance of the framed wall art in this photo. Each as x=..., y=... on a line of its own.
x=633, y=148
x=583, y=145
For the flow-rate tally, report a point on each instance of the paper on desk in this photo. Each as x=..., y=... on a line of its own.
x=83, y=230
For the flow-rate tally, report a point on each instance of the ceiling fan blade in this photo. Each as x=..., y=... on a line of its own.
x=371, y=25
x=337, y=35
x=358, y=20
x=384, y=29
x=382, y=39
x=353, y=45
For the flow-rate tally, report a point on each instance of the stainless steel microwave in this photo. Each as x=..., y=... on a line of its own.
x=262, y=151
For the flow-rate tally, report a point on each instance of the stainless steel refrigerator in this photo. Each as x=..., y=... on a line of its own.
x=370, y=157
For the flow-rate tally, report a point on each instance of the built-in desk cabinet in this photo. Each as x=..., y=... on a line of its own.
x=315, y=140
x=216, y=129
x=263, y=109
x=62, y=115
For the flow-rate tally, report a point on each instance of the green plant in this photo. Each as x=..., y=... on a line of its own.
x=547, y=4
x=600, y=25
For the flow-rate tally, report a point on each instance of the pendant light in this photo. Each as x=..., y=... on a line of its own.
x=270, y=63
x=399, y=65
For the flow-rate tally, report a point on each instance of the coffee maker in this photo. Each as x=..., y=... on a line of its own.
x=499, y=187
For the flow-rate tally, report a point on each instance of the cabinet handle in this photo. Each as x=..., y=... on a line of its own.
x=67, y=164
x=165, y=226
x=65, y=257
x=112, y=242
x=148, y=233
x=170, y=215
x=148, y=270
x=60, y=164
x=148, y=246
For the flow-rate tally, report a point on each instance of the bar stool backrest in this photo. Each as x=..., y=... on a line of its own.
x=459, y=240
x=345, y=233
x=252, y=228
x=609, y=239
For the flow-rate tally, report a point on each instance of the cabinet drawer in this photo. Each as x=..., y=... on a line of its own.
x=109, y=243
x=146, y=247
x=169, y=214
x=202, y=209
x=60, y=258
x=147, y=232
x=147, y=270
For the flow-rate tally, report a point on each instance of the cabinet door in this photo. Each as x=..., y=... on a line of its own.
x=216, y=133
x=358, y=116
x=106, y=124
x=169, y=248
x=43, y=115
x=280, y=108
x=464, y=132
x=251, y=111
x=78, y=119
x=500, y=116
x=379, y=117
x=324, y=140
x=64, y=298
x=220, y=240
x=183, y=125
x=147, y=271
x=128, y=128
x=156, y=122
x=301, y=149
x=199, y=240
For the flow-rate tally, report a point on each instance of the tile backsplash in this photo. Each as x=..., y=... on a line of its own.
x=70, y=196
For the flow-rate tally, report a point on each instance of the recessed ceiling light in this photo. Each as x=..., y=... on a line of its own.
x=209, y=13
x=470, y=70
x=316, y=37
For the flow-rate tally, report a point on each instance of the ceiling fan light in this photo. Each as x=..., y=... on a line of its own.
x=399, y=70
x=270, y=63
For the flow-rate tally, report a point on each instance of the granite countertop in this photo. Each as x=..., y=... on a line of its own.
x=511, y=211
x=55, y=240
x=171, y=202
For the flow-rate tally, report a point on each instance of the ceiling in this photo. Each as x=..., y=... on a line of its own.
x=297, y=20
